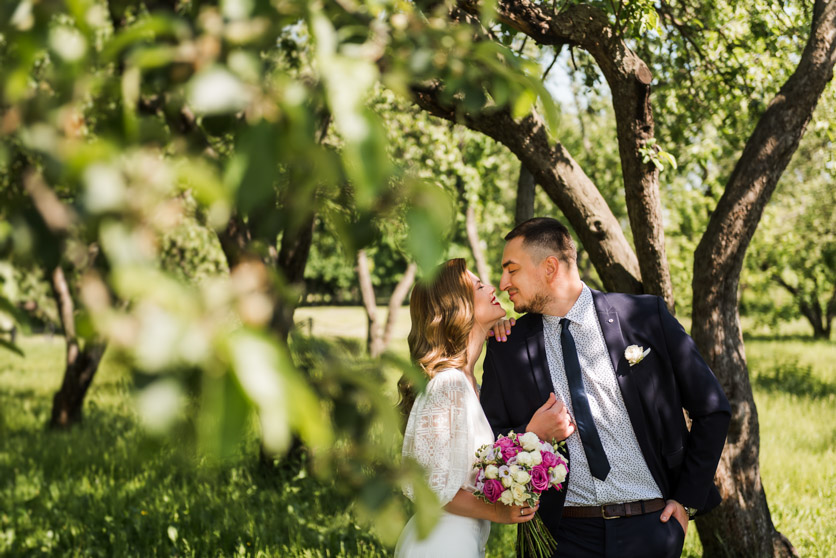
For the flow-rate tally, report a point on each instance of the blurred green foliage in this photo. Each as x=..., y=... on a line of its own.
x=135, y=135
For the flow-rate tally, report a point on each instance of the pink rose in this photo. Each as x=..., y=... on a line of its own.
x=509, y=452
x=548, y=459
x=539, y=478
x=503, y=442
x=492, y=490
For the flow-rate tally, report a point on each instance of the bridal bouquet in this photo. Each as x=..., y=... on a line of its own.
x=516, y=470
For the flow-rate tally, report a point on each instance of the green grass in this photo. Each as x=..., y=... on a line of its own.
x=106, y=489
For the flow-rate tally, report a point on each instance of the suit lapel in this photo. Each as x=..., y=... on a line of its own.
x=614, y=338
x=536, y=346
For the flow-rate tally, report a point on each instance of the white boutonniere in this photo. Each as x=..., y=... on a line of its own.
x=635, y=354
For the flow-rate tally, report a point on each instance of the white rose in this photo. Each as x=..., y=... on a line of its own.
x=524, y=459
x=635, y=354
x=513, y=469
x=506, y=481
x=518, y=493
x=559, y=472
x=529, y=441
x=522, y=477
x=632, y=352
x=491, y=472
x=506, y=497
x=535, y=458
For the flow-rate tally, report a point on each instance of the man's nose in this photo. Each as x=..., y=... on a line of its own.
x=504, y=282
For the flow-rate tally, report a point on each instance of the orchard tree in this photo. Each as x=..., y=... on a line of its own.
x=713, y=65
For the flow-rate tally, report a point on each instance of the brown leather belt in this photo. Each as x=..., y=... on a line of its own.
x=614, y=511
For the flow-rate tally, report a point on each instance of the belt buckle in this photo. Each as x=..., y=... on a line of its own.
x=604, y=513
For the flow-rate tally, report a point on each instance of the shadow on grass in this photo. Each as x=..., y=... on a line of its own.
x=790, y=377
x=799, y=337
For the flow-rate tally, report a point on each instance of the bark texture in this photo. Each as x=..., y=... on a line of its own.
x=742, y=525
x=81, y=361
x=526, y=188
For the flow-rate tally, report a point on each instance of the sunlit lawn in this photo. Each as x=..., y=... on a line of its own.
x=107, y=490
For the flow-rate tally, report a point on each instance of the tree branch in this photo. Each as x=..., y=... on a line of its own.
x=629, y=80
x=561, y=178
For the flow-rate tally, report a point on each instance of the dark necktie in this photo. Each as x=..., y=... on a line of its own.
x=599, y=466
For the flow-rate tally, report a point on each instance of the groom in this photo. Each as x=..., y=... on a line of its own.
x=610, y=373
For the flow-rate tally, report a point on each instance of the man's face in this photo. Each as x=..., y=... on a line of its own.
x=523, y=279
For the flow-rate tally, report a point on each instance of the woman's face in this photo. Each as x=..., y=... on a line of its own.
x=486, y=308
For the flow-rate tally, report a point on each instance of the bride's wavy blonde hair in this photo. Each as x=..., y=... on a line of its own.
x=442, y=318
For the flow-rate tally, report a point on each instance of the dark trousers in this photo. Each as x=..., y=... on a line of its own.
x=640, y=536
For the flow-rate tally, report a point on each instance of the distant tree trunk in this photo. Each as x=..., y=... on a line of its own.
x=476, y=245
x=396, y=302
x=364, y=276
x=742, y=525
x=235, y=240
x=377, y=337
x=526, y=188
x=820, y=319
x=81, y=362
x=292, y=259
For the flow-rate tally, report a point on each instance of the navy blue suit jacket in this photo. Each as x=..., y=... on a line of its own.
x=673, y=376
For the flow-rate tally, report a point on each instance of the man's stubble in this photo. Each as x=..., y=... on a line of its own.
x=536, y=305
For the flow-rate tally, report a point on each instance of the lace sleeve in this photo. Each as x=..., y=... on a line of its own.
x=438, y=435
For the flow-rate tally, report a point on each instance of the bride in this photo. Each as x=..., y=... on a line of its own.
x=451, y=316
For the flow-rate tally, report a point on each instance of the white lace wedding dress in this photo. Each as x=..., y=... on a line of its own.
x=445, y=428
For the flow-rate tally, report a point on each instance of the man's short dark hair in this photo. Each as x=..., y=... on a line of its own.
x=547, y=237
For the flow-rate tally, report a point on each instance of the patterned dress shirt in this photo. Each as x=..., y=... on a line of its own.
x=629, y=479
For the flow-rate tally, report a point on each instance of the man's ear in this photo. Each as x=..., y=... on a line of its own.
x=551, y=267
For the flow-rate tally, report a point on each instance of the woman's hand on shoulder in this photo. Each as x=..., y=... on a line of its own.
x=514, y=514
x=502, y=329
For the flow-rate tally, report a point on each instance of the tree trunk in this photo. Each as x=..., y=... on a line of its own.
x=235, y=241
x=377, y=337
x=526, y=189
x=476, y=245
x=396, y=302
x=742, y=525
x=811, y=309
x=81, y=362
x=364, y=277
x=292, y=259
